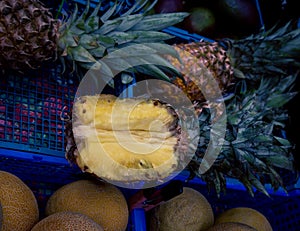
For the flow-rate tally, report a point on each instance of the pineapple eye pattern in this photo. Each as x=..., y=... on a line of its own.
x=145, y=164
x=147, y=139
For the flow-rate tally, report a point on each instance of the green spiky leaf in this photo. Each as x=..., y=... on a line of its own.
x=159, y=22
x=110, y=25
x=98, y=52
x=109, y=13
x=257, y=184
x=128, y=22
x=139, y=36
x=88, y=41
x=152, y=70
x=280, y=100
x=80, y=54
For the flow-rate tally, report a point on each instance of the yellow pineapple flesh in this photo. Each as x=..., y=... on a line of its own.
x=127, y=140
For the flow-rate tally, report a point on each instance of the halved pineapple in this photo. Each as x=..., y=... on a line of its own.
x=128, y=140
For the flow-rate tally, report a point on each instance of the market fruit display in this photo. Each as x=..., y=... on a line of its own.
x=256, y=75
x=188, y=211
x=65, y=221
x=19, y=208
x=231, y=226
x=255, y=88
x=245, y=215
x=102, y=202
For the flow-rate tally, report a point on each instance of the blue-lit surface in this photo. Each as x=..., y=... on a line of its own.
x=137, y=221
x=33, y=106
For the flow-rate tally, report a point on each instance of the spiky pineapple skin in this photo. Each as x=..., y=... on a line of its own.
x=197, y=58
x=28, y=34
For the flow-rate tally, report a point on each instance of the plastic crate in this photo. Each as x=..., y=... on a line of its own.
x=33, y=107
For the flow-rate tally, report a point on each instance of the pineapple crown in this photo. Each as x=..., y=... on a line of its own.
x=273, y=52
x=87, y=37
x=254, y=148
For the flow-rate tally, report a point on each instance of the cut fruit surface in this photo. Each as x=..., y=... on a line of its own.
x=127, y=140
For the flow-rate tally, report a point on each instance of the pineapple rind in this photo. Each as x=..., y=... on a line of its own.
x=28, y=34
x=197, y=58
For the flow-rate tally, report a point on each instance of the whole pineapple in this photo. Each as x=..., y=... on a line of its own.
x=271, y=53
x=29, y=36
x=256, y=75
